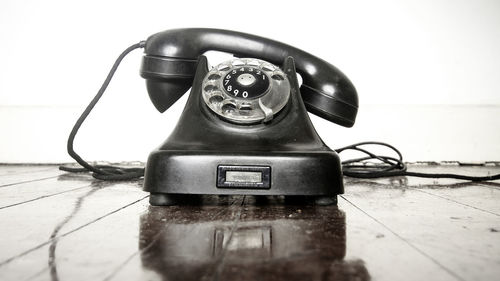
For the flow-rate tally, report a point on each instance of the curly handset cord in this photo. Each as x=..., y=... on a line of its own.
x=356, y=168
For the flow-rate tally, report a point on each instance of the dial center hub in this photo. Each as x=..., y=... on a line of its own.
x=246, y=79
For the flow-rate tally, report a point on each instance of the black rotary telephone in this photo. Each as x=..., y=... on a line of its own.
x=245, y=129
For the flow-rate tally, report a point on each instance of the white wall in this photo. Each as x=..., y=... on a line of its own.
x=426, y=71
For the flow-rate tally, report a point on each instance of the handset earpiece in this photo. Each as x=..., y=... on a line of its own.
x=167, y=78
x=170, y=59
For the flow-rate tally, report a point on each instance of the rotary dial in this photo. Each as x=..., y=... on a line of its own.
x=246, y=91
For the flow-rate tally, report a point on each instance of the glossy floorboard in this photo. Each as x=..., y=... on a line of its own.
x=59, y=226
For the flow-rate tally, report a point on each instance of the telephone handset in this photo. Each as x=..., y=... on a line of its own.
x=171, y=57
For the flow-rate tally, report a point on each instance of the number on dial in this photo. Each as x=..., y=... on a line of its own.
x=246, y=82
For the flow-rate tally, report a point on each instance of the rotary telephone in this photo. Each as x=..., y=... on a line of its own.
x=245, y=128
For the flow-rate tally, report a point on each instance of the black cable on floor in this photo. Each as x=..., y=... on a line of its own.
x=387, y=166
x=103, y=172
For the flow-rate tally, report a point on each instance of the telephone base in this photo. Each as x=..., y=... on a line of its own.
x=207, y=155
x=314, y=174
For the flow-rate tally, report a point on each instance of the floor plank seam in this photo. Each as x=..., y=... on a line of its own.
x=27, y=172
x=53, y=245
x=123, y=264
x=453, y=274
x=4, y=262
x=457, y=202
x=373, y=184
x=157, y=236
x=33, y=180
x=491, y=185
x=43, y=197
x=40, y=272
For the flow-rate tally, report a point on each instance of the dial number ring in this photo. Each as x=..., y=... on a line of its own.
x=246, y=91
x=246, y=82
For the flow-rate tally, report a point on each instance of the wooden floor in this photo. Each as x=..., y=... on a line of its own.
x=59, y=226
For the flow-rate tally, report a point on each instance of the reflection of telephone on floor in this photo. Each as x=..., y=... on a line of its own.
x=245, y=128
x=174, y=244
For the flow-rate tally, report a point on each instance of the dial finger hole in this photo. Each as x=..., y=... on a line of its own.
x=216, y=99
x=267, y=67
x=209, y=88
x=278, y=77
x=214, y=76
x=228, y=108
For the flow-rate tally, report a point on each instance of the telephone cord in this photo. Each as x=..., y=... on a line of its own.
x=388, y=166
x=102, y=172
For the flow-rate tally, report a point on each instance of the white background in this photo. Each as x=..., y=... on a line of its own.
x=427, y=72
